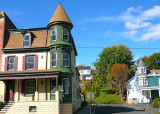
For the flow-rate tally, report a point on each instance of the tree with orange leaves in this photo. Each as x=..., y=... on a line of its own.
x=119, y=76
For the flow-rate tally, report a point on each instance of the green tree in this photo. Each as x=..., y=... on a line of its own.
x=110, y=56
x=80, y=66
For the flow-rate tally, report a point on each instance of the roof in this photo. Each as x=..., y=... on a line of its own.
x=154, y=71
x=14, y=40
x=60, y=15
x=25, y=71
x=141, y=63
x=85, y=67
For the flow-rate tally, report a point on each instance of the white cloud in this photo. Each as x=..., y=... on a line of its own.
x=152, y=33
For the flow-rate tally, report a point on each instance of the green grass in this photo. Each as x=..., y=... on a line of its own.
x=107, y=96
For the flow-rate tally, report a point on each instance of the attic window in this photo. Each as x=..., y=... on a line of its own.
x=26, y=40
x=54, y=34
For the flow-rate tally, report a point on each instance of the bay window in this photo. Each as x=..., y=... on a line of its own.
x=65, y=34
x=54, y=34
x=65, y=82
x=66, y=61
x=140, y=81
x=53, y=59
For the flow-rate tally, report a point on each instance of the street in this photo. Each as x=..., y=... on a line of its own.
x=118, y=109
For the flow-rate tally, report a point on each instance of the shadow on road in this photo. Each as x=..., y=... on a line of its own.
x=110, y=109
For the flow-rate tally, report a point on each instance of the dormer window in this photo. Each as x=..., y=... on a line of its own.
x=26, y=40
x=54, y=34
x=65, y=34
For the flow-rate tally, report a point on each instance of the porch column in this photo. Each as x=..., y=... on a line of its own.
x=16, y=95
x=57, y=92
x=159, y=93
x=36, y=92
x=57, y=83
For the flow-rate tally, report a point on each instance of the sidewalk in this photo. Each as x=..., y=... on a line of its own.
x=85, y=110
x=144, y=107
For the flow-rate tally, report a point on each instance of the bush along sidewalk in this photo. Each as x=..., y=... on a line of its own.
x=156, y=102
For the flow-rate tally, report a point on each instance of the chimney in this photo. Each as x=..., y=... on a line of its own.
x=2, y=29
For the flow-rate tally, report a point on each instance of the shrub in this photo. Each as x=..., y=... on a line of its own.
x=155, y=103
x=84, y=104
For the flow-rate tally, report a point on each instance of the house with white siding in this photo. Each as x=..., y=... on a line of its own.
x=38, y=67
x=144, y=86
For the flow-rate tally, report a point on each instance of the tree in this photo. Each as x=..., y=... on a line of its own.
x=110, y=56
x=153, y=61
x=80, y=66
x=120, y=74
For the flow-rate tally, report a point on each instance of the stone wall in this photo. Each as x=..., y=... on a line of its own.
x=47, y=107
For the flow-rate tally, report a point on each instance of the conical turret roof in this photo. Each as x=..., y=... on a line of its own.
x=141, y=63
x=60, y=15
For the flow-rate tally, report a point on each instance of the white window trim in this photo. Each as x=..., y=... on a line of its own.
x=33, y=63
x=66, y=59
x=140, y=80
x=65, y=34
x=139, y=70
x=52, y=60
x=55, y=29
x=145, y=70
x=27, y=40
x=145, y=80
x=29, y=87
x=10, y=63
x=66, y=85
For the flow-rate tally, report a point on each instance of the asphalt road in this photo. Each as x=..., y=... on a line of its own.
x=118, y=109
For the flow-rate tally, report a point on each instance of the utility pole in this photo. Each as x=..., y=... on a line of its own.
x=93, y=79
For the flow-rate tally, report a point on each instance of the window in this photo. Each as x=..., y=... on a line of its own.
x=30, y=62
x=53, y=86
x=145, y=81
x=54, y=34
x=65, y=34
x=139, y=70
x=65, y=59
x=11, y=61
x=145, y=70
x=32, y=109
x=30, y=87
x=54, y=59
x=140, y=82
x=26, y=40
x=65, y=82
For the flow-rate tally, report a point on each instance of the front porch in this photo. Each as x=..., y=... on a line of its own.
x=146, y=95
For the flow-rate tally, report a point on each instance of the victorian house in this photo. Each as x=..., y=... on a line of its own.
x=38, y=67
x=144, y=86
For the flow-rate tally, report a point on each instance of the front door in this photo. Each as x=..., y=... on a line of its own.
x=10, y=90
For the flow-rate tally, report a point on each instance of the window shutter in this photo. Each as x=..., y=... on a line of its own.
x=23, y=88
x=36, y=62
x=6, y=64
x=16, y=63
x=24, y=63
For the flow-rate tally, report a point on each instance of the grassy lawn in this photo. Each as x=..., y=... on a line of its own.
x=108, y=97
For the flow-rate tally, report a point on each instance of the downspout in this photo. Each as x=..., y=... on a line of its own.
x=46, y=64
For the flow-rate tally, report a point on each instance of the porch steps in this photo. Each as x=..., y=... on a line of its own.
x=5, y=107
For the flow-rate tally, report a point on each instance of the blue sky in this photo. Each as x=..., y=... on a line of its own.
x=97, y=23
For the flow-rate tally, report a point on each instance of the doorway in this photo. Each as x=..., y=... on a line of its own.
x=10, y=90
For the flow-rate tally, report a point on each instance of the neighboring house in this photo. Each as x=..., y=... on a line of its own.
x=146, y=84
x=38, y=68
x=85, y=73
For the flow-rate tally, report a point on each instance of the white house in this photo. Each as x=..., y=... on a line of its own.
x=85, y=73
x=144, y=86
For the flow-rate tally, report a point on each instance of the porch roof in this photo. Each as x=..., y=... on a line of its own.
x=28, y=74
